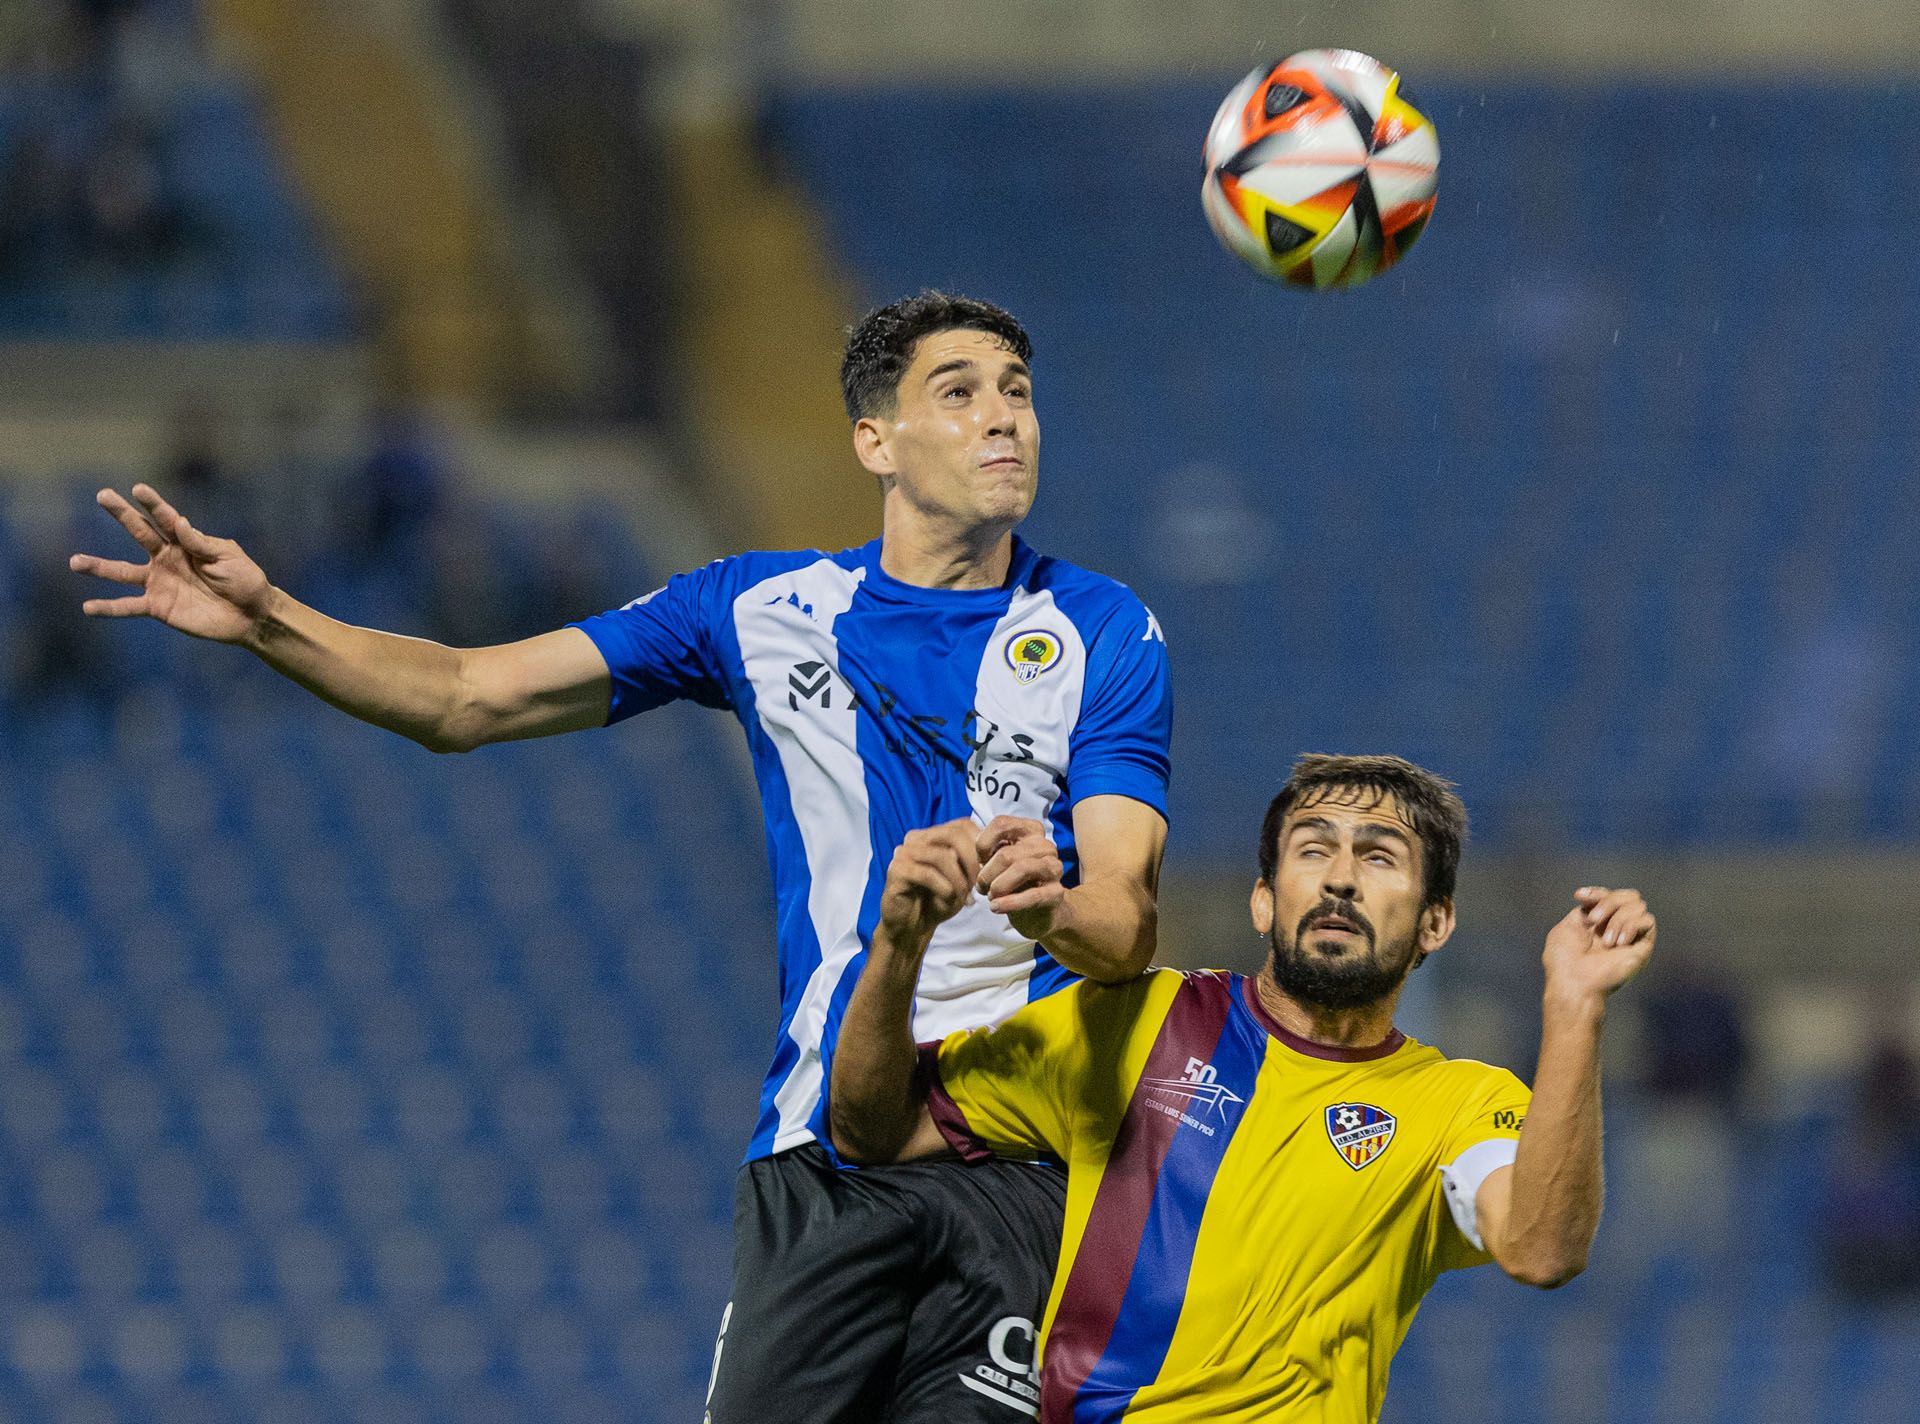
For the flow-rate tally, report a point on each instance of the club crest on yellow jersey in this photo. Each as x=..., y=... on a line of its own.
x=1032, y=652
x=1360, y=1132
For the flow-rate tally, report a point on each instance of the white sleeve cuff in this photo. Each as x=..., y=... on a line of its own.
x=1462, y=1178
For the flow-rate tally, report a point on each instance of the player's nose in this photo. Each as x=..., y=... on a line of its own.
x=999, y=414
x=1339, y=881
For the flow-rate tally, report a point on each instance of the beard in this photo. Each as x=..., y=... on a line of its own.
x=1352, y=979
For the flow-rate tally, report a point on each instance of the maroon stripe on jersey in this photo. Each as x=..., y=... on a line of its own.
x=1390, y=1044
x=1103, y=1265
x=945, y=1111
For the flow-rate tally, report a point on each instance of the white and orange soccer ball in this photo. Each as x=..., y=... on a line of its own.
x=1320, y=170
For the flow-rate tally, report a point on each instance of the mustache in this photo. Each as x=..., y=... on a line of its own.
x=1335, y=910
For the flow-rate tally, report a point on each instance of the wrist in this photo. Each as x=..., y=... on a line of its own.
x=268, y=620
x=1572, y=1007
x=897, y=953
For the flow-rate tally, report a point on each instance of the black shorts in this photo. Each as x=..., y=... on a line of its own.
x=887, y=1295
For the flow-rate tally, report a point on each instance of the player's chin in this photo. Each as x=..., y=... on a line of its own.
x=1008, y=492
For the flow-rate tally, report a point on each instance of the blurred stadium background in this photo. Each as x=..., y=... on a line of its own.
x=341, y=1082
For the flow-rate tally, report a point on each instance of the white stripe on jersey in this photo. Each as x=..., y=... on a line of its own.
x=827, y=785
x=978, y=965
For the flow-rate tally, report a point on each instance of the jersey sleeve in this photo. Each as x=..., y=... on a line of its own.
x=1002, y=1091
x=1119, y=744
x=660, y=648
x=1057, y=1071
x=1485, y=1137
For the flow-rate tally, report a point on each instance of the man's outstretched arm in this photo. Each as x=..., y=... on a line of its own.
x=878, y=1101
x=446, y=699
x=1538, y=1217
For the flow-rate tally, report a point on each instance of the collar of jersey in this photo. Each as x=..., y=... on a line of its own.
x=1250, y=998
x=881, y=584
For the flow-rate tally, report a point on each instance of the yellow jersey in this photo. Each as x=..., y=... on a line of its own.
x=1252, y=1219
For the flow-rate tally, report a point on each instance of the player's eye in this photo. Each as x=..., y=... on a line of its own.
x=1380, y=857
x=951, y=391
x=1018, y=393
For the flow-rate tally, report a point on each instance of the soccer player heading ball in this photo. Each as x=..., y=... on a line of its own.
x=1264, y=1175
x=945, y=671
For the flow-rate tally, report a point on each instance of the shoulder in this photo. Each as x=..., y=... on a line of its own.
x=755, y=565
x=1080, y=590
x=1467, y=1079
x=1092, y=600
x=724, y=579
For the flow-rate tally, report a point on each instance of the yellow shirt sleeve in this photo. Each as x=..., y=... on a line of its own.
x=1001, y=1091
x=1482, y=1141
x=1057, y=1068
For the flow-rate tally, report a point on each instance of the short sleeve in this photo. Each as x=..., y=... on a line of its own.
x=1003, y=1091
x=660, y=648
x=1119, y=744
x=1484, y=1139
x=1056, y=1075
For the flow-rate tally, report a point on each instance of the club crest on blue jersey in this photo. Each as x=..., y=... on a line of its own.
x=1032, y=652
x=1360, y=1132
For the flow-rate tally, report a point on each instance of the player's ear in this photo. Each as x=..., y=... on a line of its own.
x=872, y=447
x=1262, y=906
x=1436, y=926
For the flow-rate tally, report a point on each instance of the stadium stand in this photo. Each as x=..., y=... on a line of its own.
x=341, y=1082
x=142, y=201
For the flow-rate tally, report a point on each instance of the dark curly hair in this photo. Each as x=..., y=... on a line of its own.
x=1429, y=802
x=880, y=348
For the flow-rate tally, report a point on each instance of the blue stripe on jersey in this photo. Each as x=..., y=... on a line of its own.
x=1157, y=1289
x=944, y=674
x=800, y=951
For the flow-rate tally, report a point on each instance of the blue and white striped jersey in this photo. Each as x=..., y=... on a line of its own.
x=873, y=708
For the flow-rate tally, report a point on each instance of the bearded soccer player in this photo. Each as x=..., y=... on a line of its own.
x=945, y=672
x=1264, y=1175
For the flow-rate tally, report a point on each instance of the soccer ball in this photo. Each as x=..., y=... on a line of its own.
x=1320, y=170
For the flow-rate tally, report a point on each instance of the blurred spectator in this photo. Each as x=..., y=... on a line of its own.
x=401, y=488
x=1872, y=1217
x=58, y=650
x=1695, y=1044
x=297, y=494
x=129, y=217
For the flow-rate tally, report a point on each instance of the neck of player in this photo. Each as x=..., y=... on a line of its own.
x=934, y=553
x=1364, y=1027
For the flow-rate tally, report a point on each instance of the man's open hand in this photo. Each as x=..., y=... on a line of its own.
x=191, y=581
x=928, y=882
x=1020, y=874
x=1603, y=942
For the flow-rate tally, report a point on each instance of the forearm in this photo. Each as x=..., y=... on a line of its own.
x=407, y=685
x=1105, y=929
x=877, y=1098
x=1558, y=1183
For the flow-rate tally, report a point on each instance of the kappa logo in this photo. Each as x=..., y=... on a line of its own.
x=1359, y=1132
x=792, y=600
x=1031, y=653
x=1198, y=1085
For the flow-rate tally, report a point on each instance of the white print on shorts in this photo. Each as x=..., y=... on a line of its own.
x=1009, y=1378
